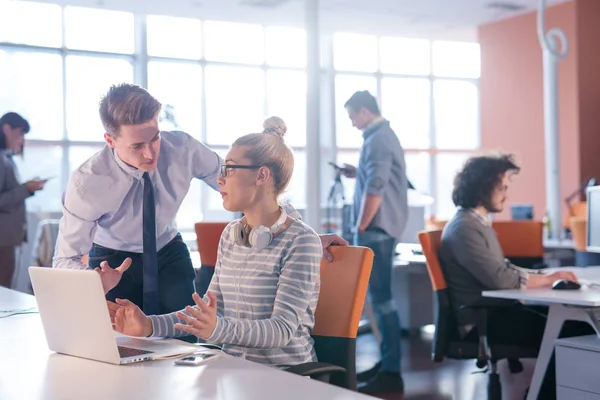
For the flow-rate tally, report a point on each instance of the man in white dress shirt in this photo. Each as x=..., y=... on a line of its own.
x=120, y=205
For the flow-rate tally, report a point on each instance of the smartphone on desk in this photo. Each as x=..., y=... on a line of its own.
x=196, y=359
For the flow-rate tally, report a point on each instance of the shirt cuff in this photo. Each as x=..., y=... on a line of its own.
x=375, y=186
x=215, y=336
x=157, y=326
x=523, y=279
x=523, y=274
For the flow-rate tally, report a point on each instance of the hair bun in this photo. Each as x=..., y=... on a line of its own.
x=275, y=125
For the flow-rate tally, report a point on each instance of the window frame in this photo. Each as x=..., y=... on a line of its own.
x=140, y=59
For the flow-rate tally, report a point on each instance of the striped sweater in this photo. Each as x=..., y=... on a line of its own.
x=266, y=299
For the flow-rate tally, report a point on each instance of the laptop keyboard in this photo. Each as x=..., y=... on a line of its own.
x=129, y=352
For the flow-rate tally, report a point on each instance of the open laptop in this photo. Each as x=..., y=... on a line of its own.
x=76, y=320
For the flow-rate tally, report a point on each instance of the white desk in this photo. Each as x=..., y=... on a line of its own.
x=28, y=370
x=564, y=305
x=562, y=244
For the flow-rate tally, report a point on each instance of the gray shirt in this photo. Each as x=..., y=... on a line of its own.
x=382, y=172
x=472, y=261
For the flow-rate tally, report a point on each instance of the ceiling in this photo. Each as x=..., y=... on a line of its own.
x=452, y=19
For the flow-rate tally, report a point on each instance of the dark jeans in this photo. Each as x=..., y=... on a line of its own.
x=175, y=275
x=7, y=265
x=524, y=326
x=203, y=279
x=380, y=295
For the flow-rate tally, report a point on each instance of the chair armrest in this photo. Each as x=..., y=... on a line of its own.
x=317, y=370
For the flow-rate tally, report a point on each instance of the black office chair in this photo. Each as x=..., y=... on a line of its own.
x=447, y=341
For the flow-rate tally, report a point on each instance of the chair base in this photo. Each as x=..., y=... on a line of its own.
x=494, y=387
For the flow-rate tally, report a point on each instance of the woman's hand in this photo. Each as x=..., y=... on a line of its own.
x=203, y=320
x=128, y=319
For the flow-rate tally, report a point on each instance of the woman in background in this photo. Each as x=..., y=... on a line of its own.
x=13, y=222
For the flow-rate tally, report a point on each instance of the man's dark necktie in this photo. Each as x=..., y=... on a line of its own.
x=149, y=258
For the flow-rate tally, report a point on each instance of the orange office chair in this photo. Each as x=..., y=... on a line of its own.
x=448, y=342
x=583, y=258
x=577, y=209
x=208, y=235
x=522, y=242
x=579, y=232
x=344, y=284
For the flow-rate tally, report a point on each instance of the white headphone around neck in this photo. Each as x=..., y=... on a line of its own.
x=260, y=236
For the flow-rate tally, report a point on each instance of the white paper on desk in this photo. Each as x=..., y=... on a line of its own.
x=418, y=199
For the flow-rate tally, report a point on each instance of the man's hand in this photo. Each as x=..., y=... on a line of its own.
x=349, y=171
x=203, y=319
x=331, y=240
x=128, y=319
x=34, y=185
x=542, y=280
x=560, y=275
x=111, y=277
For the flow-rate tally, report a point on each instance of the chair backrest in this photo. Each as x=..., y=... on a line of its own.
x=579, y=232
x=576, y=209
x=521, y=239
x=45, y=242
x=430, y=243
x=208, y=235
x=342, y=296
x=445, y=327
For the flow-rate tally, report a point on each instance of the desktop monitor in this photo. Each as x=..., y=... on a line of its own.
x=520, y=212
x=593, y=219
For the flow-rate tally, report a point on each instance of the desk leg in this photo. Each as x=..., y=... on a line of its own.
x=557, y=315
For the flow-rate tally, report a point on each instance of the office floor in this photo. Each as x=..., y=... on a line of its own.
x=450, y=380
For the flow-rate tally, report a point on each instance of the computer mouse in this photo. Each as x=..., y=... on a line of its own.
x=565, y=284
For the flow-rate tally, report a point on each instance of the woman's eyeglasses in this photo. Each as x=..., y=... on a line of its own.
x=226, y=167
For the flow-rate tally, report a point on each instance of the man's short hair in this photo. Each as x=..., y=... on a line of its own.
x=363, y=99
x=475, y=183
x=127, y=104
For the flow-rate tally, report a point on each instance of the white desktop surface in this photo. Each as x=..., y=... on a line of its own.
x=587, y=296
x=559, y=244
x=29, y=370
x=564, y=305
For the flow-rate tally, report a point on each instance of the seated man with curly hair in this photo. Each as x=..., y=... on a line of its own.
x=472, y=260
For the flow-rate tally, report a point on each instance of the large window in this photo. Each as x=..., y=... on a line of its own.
x=219, y=80
x=31, y=83
x=88, y=79
x=428, y=91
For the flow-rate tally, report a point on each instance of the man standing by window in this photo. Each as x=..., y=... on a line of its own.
x=380, y=216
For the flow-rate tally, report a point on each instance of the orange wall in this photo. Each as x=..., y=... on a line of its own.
x=511, y=101
x=588, y=35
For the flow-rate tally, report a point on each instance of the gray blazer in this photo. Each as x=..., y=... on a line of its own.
x=472, y=261
x=13, y=221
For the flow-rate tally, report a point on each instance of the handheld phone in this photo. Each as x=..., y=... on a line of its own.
x=334, y=165
x=195, y=359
